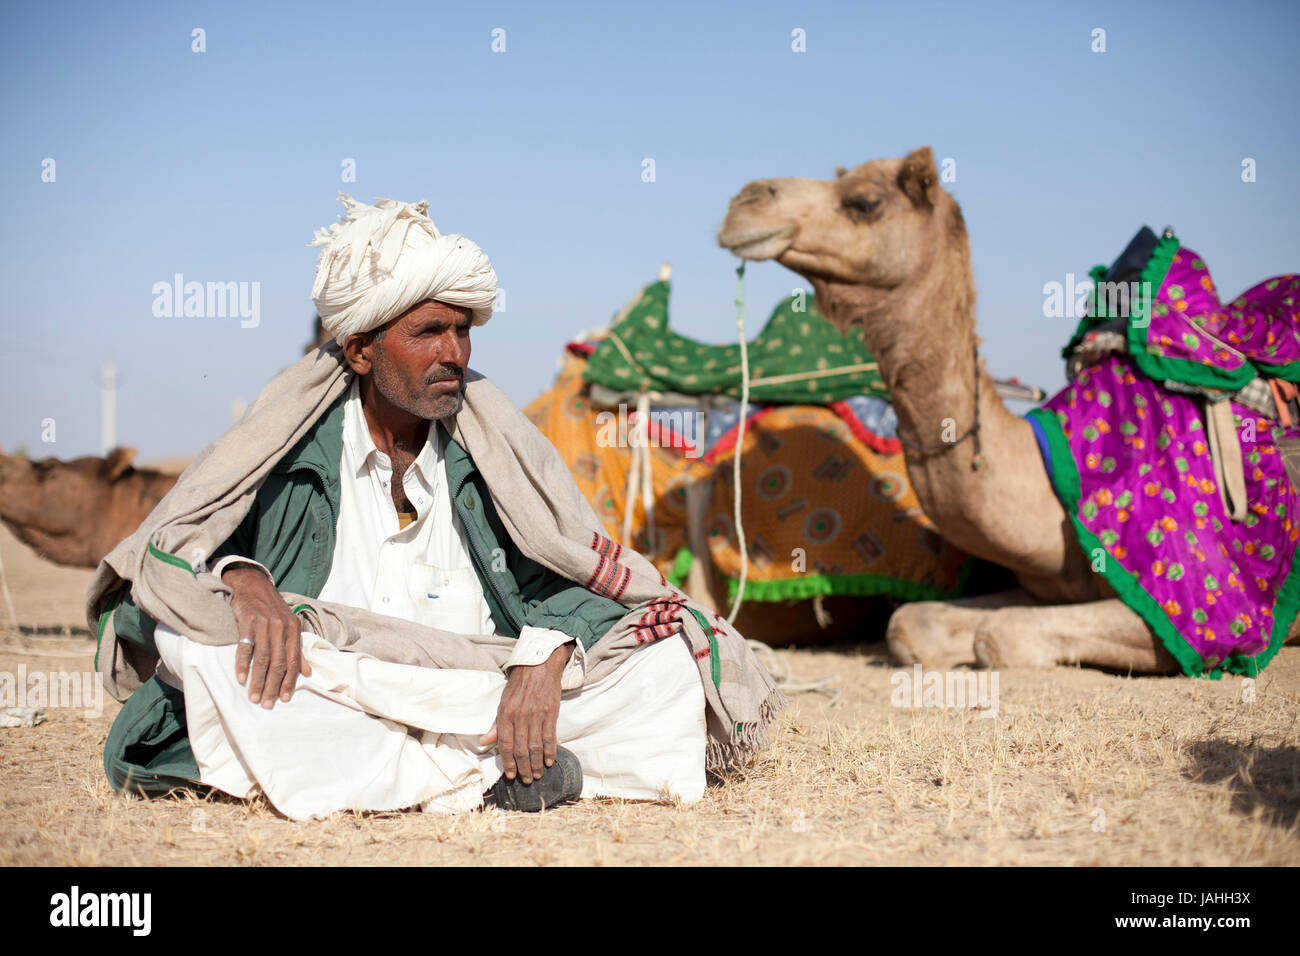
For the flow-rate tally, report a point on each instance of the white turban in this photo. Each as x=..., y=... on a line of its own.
x=383, y=259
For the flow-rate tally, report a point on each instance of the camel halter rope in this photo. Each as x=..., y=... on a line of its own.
x=823, y=619
x=973, y=433
x=639, y=471
x=784, y=676
x=740, y=439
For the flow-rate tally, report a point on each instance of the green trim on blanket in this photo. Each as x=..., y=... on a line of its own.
x=1284, y=611
x=107, y=613
x=1097, y=314
x=301, y=607
x=854, y=585
x=1161, y=367
x=171, y=559
x=1065, y=480
x=1092, y=318
x=681, y=566
x=1290, y=371
x=715, y=659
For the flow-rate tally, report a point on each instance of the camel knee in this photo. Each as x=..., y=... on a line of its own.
x=928, y=633
x=1011, y=637
x=909, y=627
x=898, y=634
x=984, y=643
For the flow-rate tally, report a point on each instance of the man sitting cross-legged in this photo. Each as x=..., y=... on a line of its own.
x=409, y=601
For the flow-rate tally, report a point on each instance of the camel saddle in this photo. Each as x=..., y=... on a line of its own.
x=1176, y=451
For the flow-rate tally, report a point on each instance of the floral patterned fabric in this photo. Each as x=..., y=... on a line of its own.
x=1131, y=462
x=1191, y=337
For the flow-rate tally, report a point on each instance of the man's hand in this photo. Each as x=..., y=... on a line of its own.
x=525, y=726
x=275, y=655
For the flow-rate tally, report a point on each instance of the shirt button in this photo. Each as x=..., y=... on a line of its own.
x=385, y=600
x=469, y=502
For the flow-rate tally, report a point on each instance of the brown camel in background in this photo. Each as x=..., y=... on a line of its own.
x=886, y=251
x=75, y=512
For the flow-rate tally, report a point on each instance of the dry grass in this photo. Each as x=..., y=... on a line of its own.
x=1178, y=771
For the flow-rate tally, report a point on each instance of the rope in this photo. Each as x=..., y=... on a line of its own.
x=629, y=494
x=973, y=433
x=647, y=471
x=627, y=357
x=779, y=669
x=740, y=439
x=767, y=380
x=9, y=601
x=640, y=473
x=786, y=679
x=815, y=373
x=819, y=611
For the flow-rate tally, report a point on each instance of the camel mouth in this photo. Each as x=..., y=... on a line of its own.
x=765, y=244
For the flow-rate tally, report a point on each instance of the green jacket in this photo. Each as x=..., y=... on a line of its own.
x=290, y=530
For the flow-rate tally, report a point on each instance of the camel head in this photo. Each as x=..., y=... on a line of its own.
x=856, y=238
x=57, y=497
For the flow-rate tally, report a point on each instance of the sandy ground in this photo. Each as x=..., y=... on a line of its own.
x=1078, y=767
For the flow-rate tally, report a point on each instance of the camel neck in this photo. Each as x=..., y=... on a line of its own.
x=922, y=335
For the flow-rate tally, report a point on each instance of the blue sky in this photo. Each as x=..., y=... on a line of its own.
x=219, y=165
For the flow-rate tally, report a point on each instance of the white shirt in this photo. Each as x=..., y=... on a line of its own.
x=423, y=572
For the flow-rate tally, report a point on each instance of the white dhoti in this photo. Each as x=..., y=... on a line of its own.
x=366, y=734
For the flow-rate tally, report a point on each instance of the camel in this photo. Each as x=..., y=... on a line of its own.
x=75, y=512
x=886, y=250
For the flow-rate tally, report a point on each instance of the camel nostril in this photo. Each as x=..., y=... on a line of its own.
x=771, y=190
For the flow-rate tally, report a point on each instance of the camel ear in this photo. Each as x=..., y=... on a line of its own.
x=839, y=172
x=918, y=179
x=117, y=462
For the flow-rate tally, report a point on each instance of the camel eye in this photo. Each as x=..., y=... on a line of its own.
x=861, y=206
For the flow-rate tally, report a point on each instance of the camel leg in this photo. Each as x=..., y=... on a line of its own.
x=1102, y=634
x=942, y=633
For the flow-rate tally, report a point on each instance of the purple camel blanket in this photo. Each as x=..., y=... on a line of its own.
x=1129, y=448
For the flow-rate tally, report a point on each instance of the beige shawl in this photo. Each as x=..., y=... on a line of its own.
x=538, y=502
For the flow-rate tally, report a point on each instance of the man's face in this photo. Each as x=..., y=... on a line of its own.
x=418, y=360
